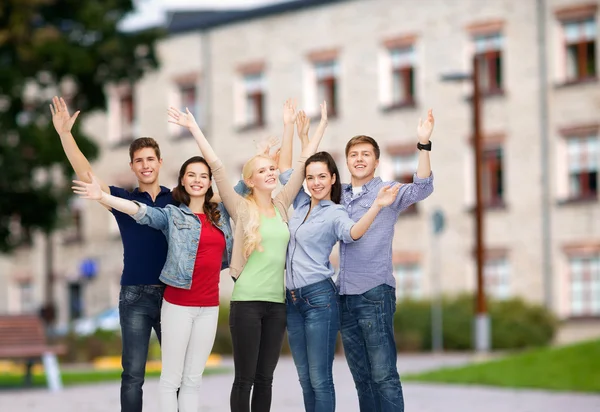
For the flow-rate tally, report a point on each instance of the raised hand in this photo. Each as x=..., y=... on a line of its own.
x=62, y=121
x=92, y=191
x=180, y=118
x=302, y=126
x=324, y=112
x=289, y=111
x=387, y=195
x=302, y=123
x=425, y=128
x=264, y=148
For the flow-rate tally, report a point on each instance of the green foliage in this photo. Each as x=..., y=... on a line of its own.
x=515, y=324
x=568, y=368
x=67, y=47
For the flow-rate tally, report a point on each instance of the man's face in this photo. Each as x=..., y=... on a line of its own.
x=361, y=161
x=146, y=165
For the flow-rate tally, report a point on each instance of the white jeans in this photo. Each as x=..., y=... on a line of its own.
x=188, y=335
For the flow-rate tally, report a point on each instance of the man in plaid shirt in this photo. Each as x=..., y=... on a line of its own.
x=366, y=281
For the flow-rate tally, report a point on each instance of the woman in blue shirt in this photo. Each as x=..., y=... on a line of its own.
x=318, y=223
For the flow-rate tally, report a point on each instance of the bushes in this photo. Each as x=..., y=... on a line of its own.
x=515, y=324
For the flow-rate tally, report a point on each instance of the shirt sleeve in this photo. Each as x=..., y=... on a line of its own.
x=413, y=192
x=342, y=225
x=241, y=188
x=301, y=196
x=155, y=217
x=285, y=176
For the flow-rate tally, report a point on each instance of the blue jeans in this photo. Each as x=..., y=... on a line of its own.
x=139, y=313
x=368, y=336
x=313, y=322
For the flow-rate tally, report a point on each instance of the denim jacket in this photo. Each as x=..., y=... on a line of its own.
x=182, y=230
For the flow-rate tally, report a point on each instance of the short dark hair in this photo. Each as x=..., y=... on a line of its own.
x=363, y=139
x=324, y=157
x=142, y=143
x=181, y=196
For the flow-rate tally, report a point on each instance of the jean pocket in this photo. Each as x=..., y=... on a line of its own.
x=319, y=300
x=130, y=295
x=378, y=295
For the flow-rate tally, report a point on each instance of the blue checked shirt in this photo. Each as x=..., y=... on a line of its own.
x=367, y=263
x=313, y=238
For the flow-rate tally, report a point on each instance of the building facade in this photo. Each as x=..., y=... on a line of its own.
x=379, y=64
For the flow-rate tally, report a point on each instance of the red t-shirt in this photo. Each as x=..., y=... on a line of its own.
x=207, y=270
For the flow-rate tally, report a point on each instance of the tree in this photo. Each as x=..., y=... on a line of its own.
x=48, y=47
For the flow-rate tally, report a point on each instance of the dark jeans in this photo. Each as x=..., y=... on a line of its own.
x=257, y=330
x=139, y=312
x=368, y=337
x=313, y=322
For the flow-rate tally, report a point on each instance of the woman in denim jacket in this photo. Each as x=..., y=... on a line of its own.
x=200, y=244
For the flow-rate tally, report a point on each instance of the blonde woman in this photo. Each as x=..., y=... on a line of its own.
x=258, y=314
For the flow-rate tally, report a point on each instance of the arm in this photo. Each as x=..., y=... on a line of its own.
x=229, y=197
x=93, y=191
x=422, y=185
x=385, y=197
x=63, y=123
x=302, y=126
x=291, y=188
x=289, y=118
x=152, y=216
x=424, y=131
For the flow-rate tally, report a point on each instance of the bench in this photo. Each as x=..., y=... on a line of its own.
x=22, y=337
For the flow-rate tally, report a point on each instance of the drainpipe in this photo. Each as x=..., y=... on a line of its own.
x=544, y=156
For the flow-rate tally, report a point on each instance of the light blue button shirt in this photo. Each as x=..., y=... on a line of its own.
x=312, y=240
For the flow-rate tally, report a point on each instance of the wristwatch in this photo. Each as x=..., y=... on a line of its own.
x=424, y=146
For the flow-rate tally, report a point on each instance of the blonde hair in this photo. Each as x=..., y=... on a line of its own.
x=250, y=220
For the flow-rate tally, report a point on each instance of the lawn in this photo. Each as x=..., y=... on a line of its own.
x=77, y=378
x=567, y=368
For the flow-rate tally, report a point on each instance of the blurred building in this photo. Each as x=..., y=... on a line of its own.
x=379, y=64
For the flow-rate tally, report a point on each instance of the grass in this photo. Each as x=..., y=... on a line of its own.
x=81, y=377
x=568, y=368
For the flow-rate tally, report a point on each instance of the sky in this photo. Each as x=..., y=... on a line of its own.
x=152, y=12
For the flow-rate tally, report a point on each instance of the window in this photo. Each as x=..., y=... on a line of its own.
x=26, y=298
x=496, y=275
x=127, y=116
x=403, y=76
x=254, y=99
x=492, y=177
x=408, y=281
x=585, y=285
x=488, y=52
x=326, y=73
x=405, y=166
x=189, y=98
x=186, y=97
x=583, y=158
x=580, y=49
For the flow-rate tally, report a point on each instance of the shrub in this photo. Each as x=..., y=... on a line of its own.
x=515, y=324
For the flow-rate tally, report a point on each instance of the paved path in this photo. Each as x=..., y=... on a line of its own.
x=287, y=396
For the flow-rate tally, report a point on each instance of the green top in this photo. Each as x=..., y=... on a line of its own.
x=262, y=277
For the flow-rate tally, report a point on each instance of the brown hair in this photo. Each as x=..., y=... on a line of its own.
x=181, y=196
x=363, y=139
x=142, y=143
x=324, y=157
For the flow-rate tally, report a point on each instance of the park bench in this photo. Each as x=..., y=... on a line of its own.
x=22, y=337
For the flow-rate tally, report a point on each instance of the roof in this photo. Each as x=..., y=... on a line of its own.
x=181, y=21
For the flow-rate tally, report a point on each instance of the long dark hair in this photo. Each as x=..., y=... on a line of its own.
x=181, y=196
x=324, y=157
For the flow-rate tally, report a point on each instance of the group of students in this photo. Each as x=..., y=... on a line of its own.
x=177, y=242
